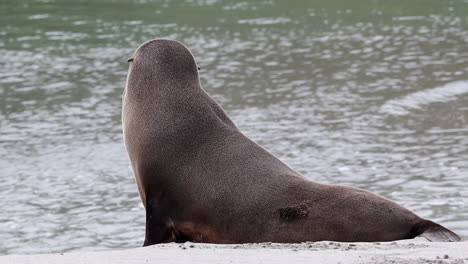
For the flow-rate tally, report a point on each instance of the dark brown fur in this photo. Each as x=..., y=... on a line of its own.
x=292, y=213
x=202, y=180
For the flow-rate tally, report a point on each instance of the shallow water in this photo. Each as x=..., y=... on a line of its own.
x=364, y=93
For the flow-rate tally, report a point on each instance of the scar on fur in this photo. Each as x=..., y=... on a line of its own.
x=292, y=213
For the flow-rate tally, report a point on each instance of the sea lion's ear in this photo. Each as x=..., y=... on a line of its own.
x=130, y=59
x=198, y=68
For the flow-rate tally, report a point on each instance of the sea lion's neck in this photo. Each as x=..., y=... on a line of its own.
x=153, y=86
x=176, y=117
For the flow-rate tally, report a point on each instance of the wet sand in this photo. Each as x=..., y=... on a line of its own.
x=408, y=251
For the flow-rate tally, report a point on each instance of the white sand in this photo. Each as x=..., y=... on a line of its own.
x=409, y=251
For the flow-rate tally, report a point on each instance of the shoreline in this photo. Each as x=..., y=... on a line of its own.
x=405, y=251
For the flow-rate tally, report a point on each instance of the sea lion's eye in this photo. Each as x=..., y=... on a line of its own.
x=130, y=59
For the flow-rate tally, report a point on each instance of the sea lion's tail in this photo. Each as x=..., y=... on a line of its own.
x=435, y=232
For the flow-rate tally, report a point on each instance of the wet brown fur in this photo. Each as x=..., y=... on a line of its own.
x=202, y=180
x=292, y=213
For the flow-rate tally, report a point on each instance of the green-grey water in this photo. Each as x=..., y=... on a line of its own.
x=367, y=93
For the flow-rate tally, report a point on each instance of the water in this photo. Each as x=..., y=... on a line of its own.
x=371, y=93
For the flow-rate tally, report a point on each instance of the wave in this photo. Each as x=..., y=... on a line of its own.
x=417, y=100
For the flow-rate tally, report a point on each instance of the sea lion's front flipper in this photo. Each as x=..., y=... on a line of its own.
x=159, y=228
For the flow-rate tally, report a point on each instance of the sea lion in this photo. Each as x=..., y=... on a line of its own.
x=202, y=180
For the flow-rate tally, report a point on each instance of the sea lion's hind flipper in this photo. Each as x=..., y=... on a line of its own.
x=437, y=233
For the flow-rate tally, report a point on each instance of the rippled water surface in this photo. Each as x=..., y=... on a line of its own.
x=370, y=93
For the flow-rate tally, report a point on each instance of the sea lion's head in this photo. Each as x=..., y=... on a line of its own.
x=161, y=63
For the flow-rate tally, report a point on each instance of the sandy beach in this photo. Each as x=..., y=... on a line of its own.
x=409, y=251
